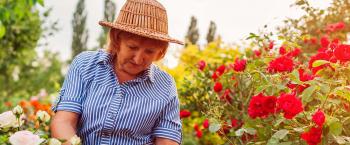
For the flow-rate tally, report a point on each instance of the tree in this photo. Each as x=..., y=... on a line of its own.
x=109, y=14
x=22, y=72
x=211, y=32
x=192, y=33
x=80, y=32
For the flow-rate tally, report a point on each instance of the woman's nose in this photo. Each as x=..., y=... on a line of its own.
x=138, y=58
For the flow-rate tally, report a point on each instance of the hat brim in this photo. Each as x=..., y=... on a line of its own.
x=141, y=32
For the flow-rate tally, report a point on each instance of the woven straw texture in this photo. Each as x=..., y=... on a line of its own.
x=147, y=18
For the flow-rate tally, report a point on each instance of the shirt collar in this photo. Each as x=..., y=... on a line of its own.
x=105, y=58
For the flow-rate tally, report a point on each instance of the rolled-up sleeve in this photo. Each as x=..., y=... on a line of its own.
x=71, y=94
x=169, y=124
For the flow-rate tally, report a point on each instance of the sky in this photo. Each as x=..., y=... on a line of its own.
x=235, y=19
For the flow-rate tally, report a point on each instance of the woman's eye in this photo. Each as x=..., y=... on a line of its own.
x=149, y=51
x=133, y=47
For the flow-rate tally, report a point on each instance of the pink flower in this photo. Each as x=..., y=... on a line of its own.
x=25, y=137
x=201, y=65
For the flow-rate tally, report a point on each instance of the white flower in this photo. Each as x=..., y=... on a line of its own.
x=54, y=141
x=43, y=116
x=25, y=137
x=8, y=119
x=17, y=110
x=75, y=140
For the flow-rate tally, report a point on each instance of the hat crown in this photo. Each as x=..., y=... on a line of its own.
x=148, y=15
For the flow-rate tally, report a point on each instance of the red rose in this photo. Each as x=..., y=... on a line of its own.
x=206, y=123
x=290, y=105
x=256, y=107
x=282, y=50
x=201, y=65
x=217, y=87
x=313, y=137
x=303, y=76
x=324, y=41
x=199, y=133
x=257, y=53
x=221, y=69
x=185, y=113
x=319, y=118
x=319, y=56
x=270, y=104
x=239, y=65
x=281, y=64
x=313, y=40
x=294, y=53
x=196, y=127
x=234, y=123
x=226, y=96
x=271, y=45
x=214, y=76
x=342, y=52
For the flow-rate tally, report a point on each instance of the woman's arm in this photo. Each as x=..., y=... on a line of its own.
x=64, y=125
x=165, y=141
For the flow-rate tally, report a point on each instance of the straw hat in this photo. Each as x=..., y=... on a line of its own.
x=147, y=18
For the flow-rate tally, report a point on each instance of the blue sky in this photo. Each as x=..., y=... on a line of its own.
x=235, y=19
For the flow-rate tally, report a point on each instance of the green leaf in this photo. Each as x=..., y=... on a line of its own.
x=342, y=139
x=318, y=63
x=342, y=92
x=273, y=141
x=250, y=131
x=2, y=30
x=280, y=134
x=325, y=88
x=306, y=95
x=214, y=127
x=279, y=121
x=336, y=128
x=239, y=132
x=41, y=2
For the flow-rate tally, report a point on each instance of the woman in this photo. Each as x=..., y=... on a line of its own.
x=117, y=96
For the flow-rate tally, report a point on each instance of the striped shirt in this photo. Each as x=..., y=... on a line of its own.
x=131, y=113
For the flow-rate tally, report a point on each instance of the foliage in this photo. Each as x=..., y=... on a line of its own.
x=211, y=32
x=28, y=122
x=192, y=35
x=294, y=90
x=109, y=14
x=80, y=32
x=20, y=66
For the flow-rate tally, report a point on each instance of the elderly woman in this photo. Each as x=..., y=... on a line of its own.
x=117, y=96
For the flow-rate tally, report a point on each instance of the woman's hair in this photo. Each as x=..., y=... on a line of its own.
x=115, y=35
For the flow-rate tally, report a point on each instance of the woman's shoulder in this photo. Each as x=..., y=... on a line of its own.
x=87, y=60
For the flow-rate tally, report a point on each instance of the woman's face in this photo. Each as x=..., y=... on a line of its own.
x=136, y=54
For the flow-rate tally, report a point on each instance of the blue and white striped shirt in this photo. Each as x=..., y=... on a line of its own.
x=131, y=113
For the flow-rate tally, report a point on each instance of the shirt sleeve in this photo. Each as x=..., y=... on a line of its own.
x=169, y=124
x=71, y=93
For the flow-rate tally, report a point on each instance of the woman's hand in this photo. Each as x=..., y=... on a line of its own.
x=64, y=125
x=165, y=141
